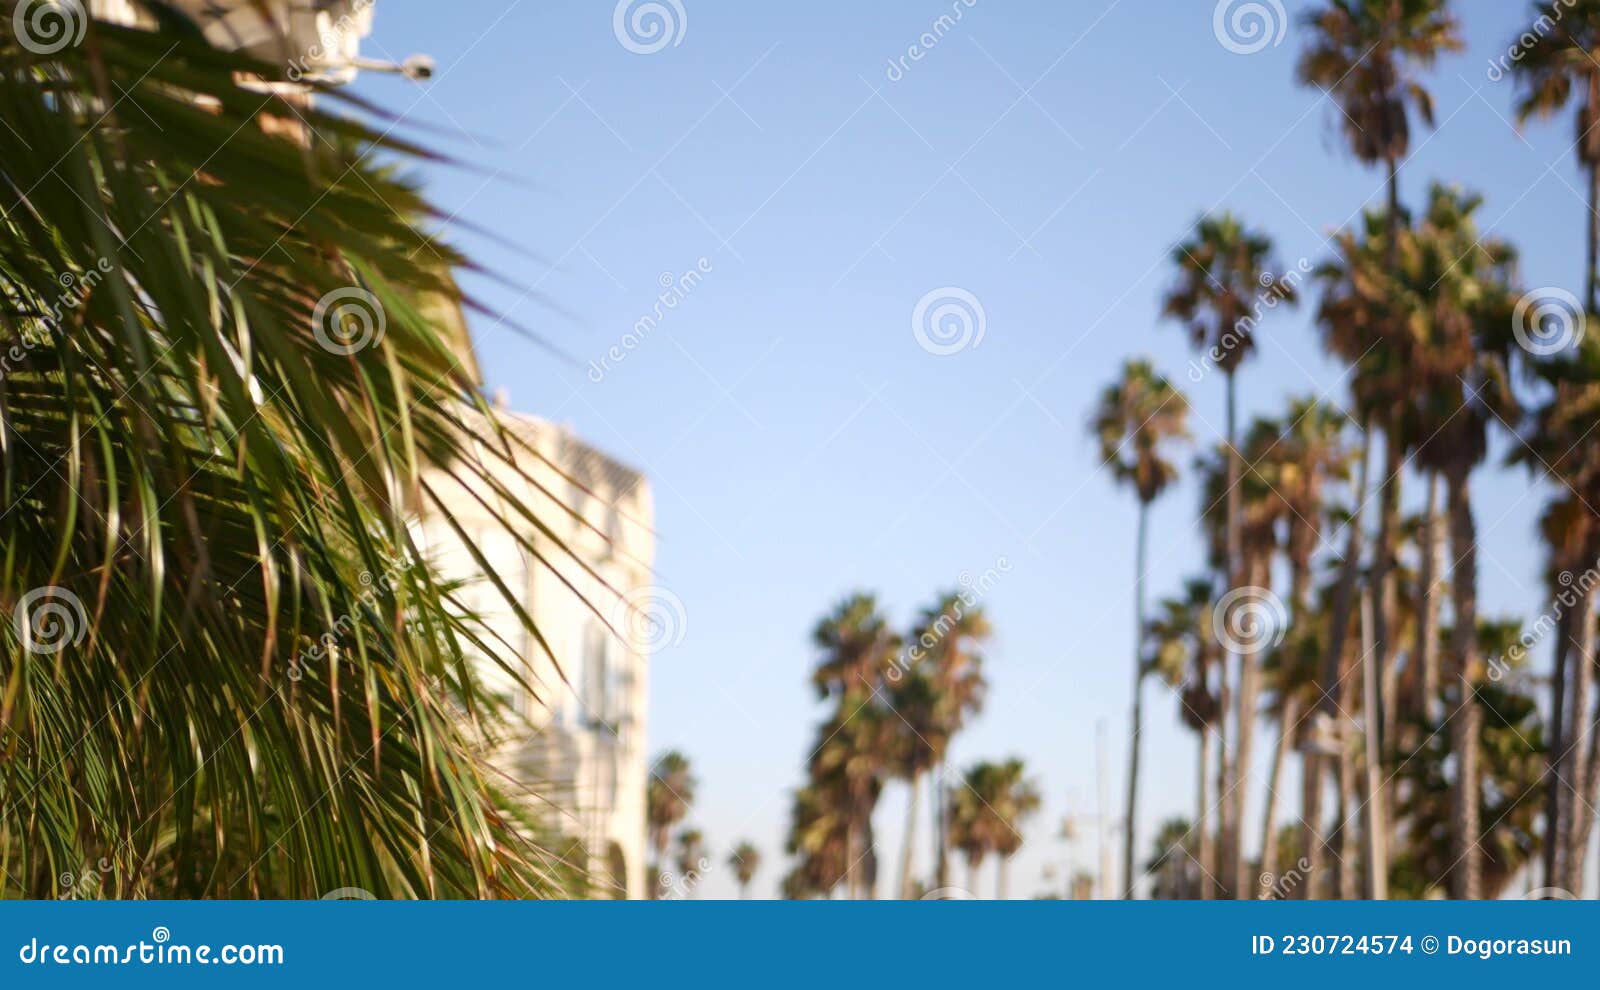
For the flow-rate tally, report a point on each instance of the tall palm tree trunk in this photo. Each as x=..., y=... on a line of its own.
x=1231, y=793
x=1208, y=848
x=1580, y=745
x=1343, y=837
x=1466, y=727
x=912, y=805
x=1224, y=867
x=1311, y=839
x=1427, y=646
x=1288, y=715
x=941, y=824
x=1555, y=836
x=972, y=875
x=1129, y=837
x=1002, y=880
x=1336, y=693
x=1249, y=694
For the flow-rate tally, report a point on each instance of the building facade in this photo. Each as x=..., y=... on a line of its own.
x=577, y=752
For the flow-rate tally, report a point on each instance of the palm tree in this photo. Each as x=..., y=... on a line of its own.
x=669, y=795
x=212, y=492
x=859, y=737
x=1512, y=757
x=818, y=837
x=690, y=859
x=1366, y=54
x=744, y=861
x=1558, y=64
x=1138, y=420
x=940, y=690
x=1299, y=459
x=1226, y=281
x=1185, y=651
x=1459, y=292
x=992, y=804
x=1555, y=447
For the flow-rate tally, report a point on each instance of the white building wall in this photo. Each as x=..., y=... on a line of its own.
x=581, y=754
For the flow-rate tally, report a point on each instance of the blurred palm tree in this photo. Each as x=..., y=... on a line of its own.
x=744, y=860
x=234, y=396
x=1366, y=54
x=669, y=794
x=1139, y=421
x=1511, y=757
x=1459, y=296
x=858, y=740
x=1555, y=447
x=947, y=642
x=1185, y=652
x=690, y=860
x=1557, y=66
x=987, y=814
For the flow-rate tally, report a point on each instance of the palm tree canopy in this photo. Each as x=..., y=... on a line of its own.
x=1365, y=53
x=212, y=460
x=1226, y=281
x=745, y=861
x=1138, y=420
x=989, y=808
x=857, y=647
x=1556, y=59
x=669, y=793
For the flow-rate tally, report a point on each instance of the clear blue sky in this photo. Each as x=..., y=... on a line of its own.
x=1045, y=157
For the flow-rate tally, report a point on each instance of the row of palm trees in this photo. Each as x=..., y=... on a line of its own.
x=1425, y=310
x=669, y=795
x=894, y=704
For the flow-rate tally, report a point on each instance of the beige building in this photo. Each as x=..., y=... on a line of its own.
x=581, y=753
